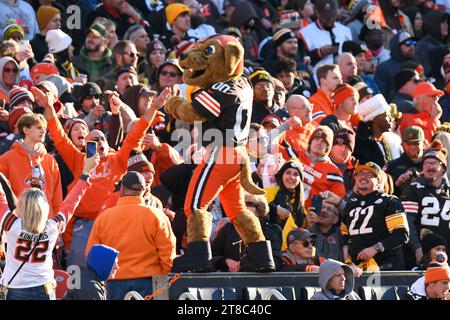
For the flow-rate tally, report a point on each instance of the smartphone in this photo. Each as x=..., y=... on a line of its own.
x=24, y=45
x=317, y=204
x=91, y=149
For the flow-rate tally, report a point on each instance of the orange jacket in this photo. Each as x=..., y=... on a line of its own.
x=298, y=138
x=142, y=235
x=4, y=96
x=422, y=120
x=323, y=105
x=16, y=166
x=109, y=171
x=166, y=157
x=318, y=176
x=149, y=199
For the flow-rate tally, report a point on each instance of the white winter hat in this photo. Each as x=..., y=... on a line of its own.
x=57, y=40
x=373, y=107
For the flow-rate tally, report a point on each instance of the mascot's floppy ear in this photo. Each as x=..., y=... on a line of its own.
x=234, y=56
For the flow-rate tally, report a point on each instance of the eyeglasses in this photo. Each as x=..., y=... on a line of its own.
x=170, y=74
x=97, y=139
x=13, y=70
x=131, y=54
x=416, y=81
x=369, y=175
x=410, y=43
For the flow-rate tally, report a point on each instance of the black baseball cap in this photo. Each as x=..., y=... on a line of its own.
x=133, y=180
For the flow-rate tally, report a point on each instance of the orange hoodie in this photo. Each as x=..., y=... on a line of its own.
x=109, y=171
x=165, y=158
x=323, y=105
x=142, y=235
x=298, y=138
x=16, y=166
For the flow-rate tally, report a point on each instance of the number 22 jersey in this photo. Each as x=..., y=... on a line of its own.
x=375, y=217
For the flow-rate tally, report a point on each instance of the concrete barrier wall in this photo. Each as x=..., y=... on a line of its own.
x=298, y=280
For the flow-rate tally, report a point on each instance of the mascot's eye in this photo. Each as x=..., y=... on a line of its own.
x=210, y=50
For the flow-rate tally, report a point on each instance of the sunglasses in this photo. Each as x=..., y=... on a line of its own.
x=97, y=139
x=250, y=204
x=306, y=243
x=131, y=54
x=416, y=81
x=14, y=70
x=170, y=74
x=410, y=43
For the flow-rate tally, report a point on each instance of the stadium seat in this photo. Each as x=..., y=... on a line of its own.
x=379, y=293
x=256, y=293
x=308, y=292
x=61, y=283
x=213, y=293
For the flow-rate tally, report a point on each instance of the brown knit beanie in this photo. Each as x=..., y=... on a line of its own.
x=44, y=15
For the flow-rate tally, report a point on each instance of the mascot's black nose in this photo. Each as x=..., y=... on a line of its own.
x=184, y=55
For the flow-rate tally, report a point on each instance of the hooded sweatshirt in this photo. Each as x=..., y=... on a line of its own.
x=417, y=291
x=95, y=68
x=109, y=171
x=21, y=13
x=432, y=26
x=100, y=262
x=4, y=90
x=16, y=164
x=384, y=76
x=327, y=270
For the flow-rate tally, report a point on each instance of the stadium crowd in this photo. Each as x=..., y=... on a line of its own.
x=348, y=135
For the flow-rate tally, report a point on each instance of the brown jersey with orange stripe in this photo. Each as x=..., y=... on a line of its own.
x=228, y=107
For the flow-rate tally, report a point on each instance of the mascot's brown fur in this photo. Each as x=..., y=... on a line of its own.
x=203, y=70
x=218, y=59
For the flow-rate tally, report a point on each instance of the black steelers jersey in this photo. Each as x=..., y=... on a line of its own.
x=373, y=218
x=427, y=207
x=228, y=107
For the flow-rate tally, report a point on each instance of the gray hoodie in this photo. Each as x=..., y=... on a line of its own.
x=327, y=270
x=3, y=62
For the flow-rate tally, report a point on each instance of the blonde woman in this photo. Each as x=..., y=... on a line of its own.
x=31, y=237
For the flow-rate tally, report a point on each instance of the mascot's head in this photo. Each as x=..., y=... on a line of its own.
x=211, y=60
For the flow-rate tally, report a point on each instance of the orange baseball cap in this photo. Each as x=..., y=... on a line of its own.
x=428, y=89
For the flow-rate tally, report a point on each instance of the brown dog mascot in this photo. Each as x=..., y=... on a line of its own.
x=224, y=106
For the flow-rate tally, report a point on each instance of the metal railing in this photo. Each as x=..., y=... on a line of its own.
x=133, y=295
x=272, y=293
x=187, y=296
